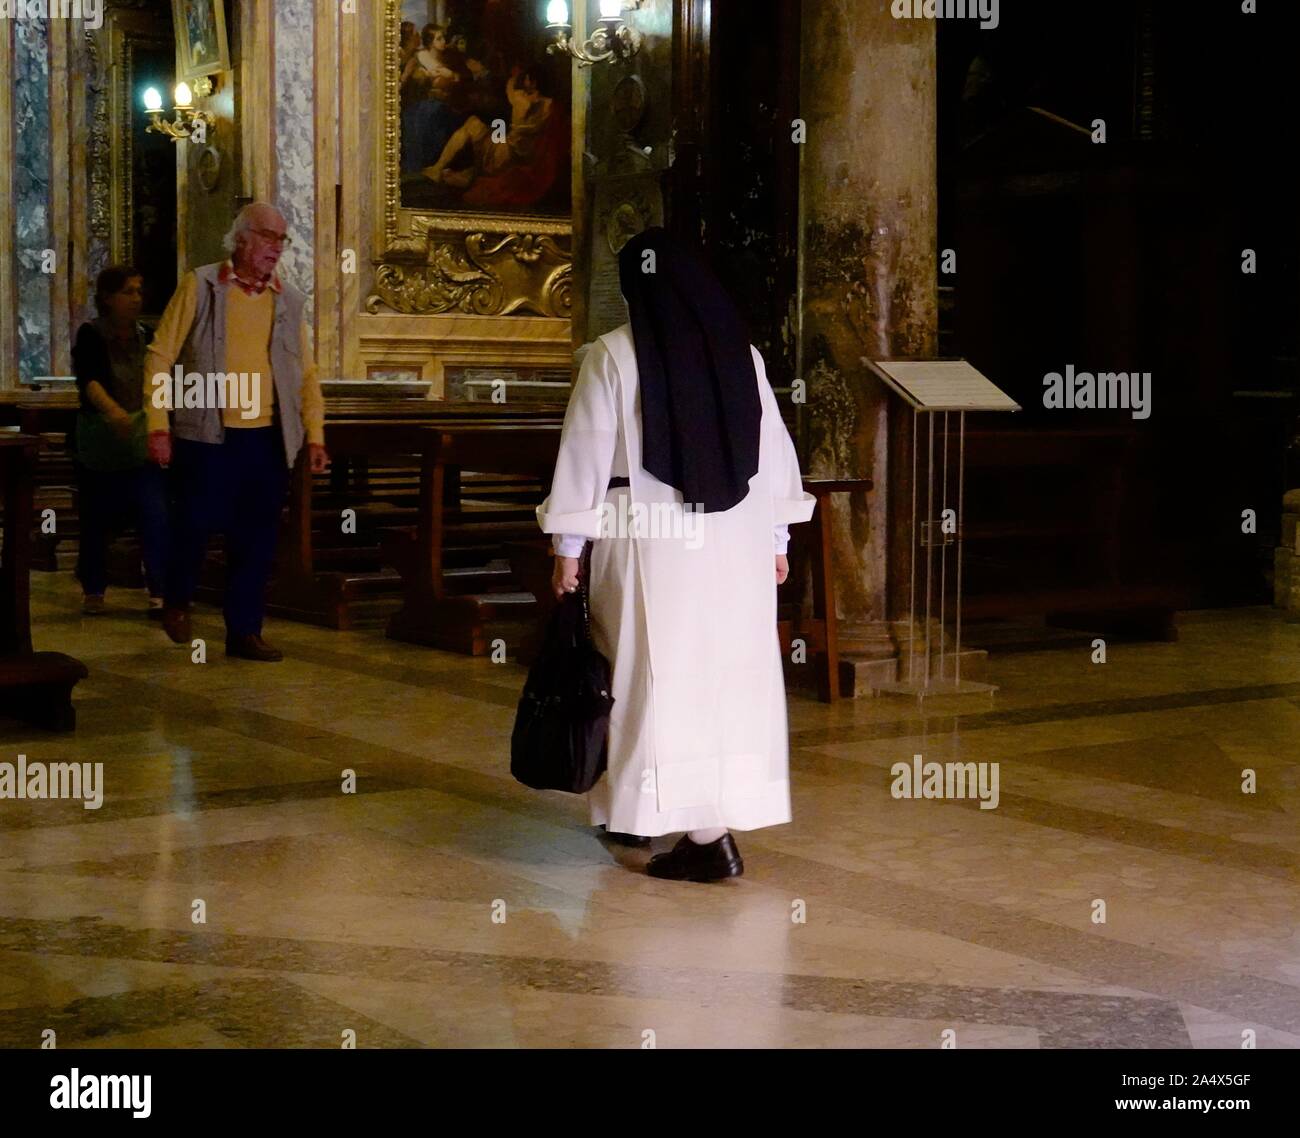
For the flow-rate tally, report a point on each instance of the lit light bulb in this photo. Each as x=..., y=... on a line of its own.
x=152, y=99
x=557, y=12
x=184, y=96
x=611, y=9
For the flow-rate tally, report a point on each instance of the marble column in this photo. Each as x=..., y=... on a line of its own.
x=295, y=155
x=868, y=198
x=33, y=238
x=8, y=221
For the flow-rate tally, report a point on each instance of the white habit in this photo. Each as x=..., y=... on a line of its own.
x=684, y=610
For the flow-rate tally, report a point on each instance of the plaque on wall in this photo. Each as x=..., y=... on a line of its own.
x=628, y=104
x=209, y=168
x=624, y=207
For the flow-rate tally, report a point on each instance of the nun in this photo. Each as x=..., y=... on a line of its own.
x=674, y=463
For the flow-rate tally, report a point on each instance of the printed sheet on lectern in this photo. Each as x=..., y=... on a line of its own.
x=943, y=385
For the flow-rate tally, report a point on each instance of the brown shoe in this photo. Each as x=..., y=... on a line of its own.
x=176, y=623
x=251, y=647
x=92, y=604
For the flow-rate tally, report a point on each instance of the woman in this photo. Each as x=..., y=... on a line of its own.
x=116, y=484
x=428, y=118
x=675, y=459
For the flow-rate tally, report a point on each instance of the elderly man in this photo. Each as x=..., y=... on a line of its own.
x=249, y=399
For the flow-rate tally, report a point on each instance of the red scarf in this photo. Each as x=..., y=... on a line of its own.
x=252, y=288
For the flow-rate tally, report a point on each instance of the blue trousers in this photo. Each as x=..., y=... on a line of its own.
x=110, y=499
x=235, y=487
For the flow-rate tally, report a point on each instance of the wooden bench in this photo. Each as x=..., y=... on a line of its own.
x=49, y=415
x=36, y=686
x=324, y=569
x=810, y=552
x=447, y=603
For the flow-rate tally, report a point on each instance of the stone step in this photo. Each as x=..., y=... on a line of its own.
x=870, y=672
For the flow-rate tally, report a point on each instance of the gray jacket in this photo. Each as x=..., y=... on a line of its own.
x=204, y=352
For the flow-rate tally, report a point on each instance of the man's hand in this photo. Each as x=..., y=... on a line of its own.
x=782, y=568
x=564, y=579
x=160, y=447
x=318, y=458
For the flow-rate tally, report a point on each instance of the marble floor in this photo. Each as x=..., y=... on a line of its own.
x=444, y=905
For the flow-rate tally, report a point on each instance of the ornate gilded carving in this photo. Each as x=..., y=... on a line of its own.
x=99, y=161
x=479, y=274
x=472, y=263
x=124, y=182
x=127, y=30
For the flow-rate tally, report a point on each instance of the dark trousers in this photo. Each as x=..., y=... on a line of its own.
x=235, y=487
x=108, y=500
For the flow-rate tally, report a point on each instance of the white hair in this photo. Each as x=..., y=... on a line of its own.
x=230, y=241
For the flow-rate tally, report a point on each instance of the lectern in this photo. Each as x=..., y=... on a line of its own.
x=934, y=388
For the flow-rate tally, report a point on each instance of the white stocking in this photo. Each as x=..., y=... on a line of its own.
x=704, y=837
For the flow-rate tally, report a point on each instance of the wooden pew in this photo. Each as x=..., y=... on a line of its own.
x=810, y=552
x=321, y=571
x=33, y=685
x=49, y=415
x=444, y=609
x=313, y=582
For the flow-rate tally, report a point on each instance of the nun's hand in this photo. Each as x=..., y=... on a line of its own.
x=782, y=568
x=564, y=578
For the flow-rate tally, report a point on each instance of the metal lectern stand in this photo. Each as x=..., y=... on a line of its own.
x=932, y=388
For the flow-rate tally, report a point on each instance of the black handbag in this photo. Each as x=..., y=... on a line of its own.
x=561, y=735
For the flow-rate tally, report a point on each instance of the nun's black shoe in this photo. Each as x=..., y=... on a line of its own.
x=689, y=861
x=623, y=839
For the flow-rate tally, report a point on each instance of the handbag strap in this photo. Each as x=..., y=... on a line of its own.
x=583, y=569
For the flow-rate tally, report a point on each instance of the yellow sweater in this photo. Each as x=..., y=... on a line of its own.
x=248, y=349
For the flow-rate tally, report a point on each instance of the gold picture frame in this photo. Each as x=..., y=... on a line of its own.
x=117, y=205
x=201, y=44
x=435, y=261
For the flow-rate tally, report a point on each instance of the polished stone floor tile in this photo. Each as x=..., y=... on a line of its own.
x=289, y=853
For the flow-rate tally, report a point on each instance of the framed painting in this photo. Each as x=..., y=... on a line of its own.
x=474, y=160
x=201, y=44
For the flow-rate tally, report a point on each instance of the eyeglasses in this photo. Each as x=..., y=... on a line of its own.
x=271, y=238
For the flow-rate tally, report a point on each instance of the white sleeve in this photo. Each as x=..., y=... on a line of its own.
x=790, y=502
x=781, y=538
x=568, y=544
x=586, y=458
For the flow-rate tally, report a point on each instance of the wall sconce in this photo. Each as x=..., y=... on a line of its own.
x=189, y=120
x=612, y=39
